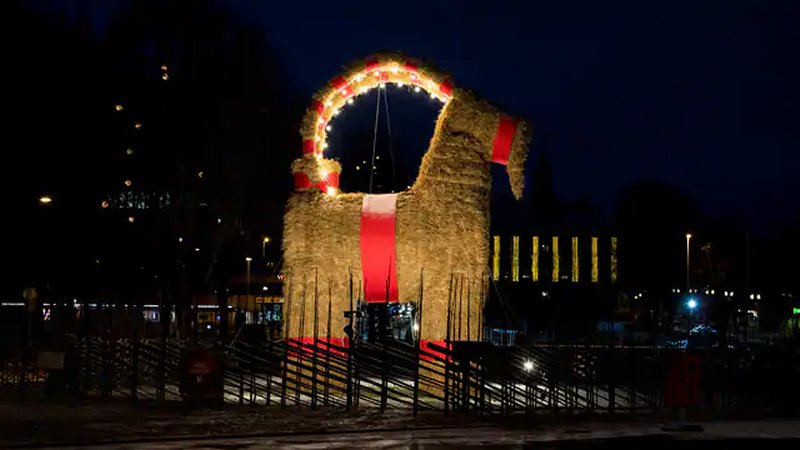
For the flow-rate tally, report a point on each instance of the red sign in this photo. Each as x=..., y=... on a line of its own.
x=682, y=380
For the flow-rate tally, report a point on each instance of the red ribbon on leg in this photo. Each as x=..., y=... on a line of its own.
x=506, y=128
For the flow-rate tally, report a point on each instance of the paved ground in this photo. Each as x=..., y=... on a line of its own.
x=718, y=436
x=153, y=426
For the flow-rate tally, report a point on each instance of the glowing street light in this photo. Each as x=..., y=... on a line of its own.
x=248, y=260
x=264, y=243
x=527, y=365
x=45, y=200
x=692, y=304
x=688, y=238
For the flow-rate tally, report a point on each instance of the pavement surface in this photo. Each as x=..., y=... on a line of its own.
x=120, y=426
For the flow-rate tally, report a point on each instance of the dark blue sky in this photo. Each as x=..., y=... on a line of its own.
x=703, y=95
x=700, y=95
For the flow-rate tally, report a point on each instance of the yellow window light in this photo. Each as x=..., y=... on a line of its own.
x=575, y=260
x=556, y=262
x=535, y=259
x=515, y=258
x=614, y=273
x=496, y=258
x=595, y=265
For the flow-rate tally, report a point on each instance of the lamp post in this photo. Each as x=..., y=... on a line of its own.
x=264, y=243
x=688, y=238
x=247, y=289
x=248, y=260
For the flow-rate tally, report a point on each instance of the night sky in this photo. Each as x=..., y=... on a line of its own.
x=699, y=95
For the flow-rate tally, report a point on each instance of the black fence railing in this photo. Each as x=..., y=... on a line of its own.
x=469, y=378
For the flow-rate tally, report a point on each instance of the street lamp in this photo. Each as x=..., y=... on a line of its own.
x=248, y=260
x=264, y=243
x=688, y=238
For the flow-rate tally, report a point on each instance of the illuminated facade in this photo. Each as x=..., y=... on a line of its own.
x=535, y=258
x=510, y=260
x=595, y=261
x=575, y=261
x=496, y=258
x=556, y=272
x=515, y=258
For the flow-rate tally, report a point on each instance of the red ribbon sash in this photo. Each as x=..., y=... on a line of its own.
x=506, y=129
x=378, y=253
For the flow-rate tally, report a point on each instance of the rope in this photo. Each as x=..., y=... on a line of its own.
x=374, y=140
x=389, y=129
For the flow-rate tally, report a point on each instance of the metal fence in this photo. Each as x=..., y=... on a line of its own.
x=469, y=378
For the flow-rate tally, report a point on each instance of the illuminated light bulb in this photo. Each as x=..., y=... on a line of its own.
x=128, y=183
x=377, y=73
x=413, y=76
x=137, y=125
x=359, y=77
x=358, y=167
x=321, y=120
x=328, y=103
x=527, y=365
x=349, y=101
x=129, y=151
x=328, y=128
x=336, y=112
x=317, y=138
x=323, y=174
x=331, y=191
x=383, y=85
x=104, y=204
x=399, y=84
x=163, y=67
x=164, y=76
x=118, y=108
x=378, y=157
x=180, y=239
x=197, y=249
x=200, y=174
x=433, y=95
x=131, y=219
x=416, y=89
x=324, y=145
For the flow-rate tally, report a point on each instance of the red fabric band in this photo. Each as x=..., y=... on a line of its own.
x=378, y=253
x=506, y=129
x=435, y=353
x=308, y=146
x=301, y=181
x=337, y=344
x=410, y=67
x=318, y=107
x=330, y=180
x=372, y=64
x=341, y=85
x=446, y=88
